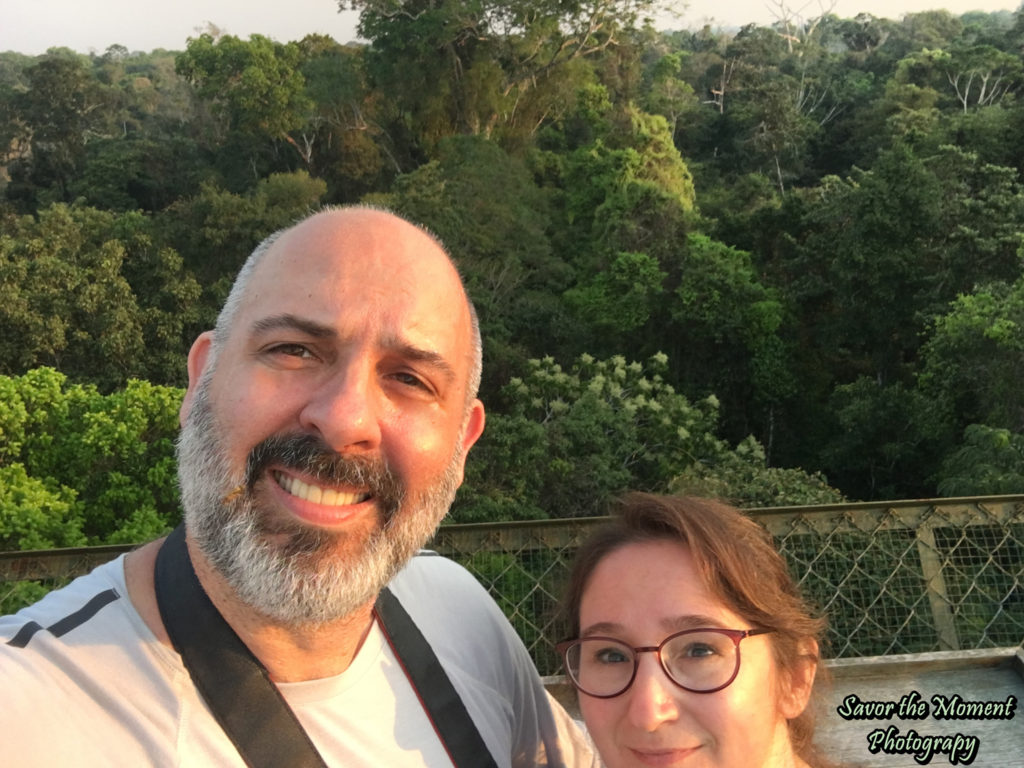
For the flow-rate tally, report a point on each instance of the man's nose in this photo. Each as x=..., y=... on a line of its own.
x=653, y=698
x=344, y=409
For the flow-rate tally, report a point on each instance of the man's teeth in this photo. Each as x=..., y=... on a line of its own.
x=316, y=494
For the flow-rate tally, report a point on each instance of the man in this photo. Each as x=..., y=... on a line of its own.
x=324, y=434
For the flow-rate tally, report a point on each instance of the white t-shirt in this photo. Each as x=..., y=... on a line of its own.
x=86, y=683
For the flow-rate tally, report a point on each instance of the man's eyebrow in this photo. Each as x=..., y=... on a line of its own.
x=415, y=354
x=396, y=346
x=291, y=322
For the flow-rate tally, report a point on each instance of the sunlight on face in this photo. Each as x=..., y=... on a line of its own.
x=333, y=414
x=640, y=594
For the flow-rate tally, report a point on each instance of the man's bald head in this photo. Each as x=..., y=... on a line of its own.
x=340, y=220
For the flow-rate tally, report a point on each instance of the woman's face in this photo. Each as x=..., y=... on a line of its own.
x=640, y=594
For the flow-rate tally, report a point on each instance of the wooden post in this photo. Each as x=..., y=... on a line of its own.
x=935, y=584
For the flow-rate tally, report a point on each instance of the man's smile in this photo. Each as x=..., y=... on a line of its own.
x=330, y=497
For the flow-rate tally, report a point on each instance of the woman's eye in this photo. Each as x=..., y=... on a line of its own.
x=611, y=656
x=695, y=651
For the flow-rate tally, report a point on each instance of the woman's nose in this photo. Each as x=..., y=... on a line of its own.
x=653, y=698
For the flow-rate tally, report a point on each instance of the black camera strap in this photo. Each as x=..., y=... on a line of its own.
x=440, y=700
x=249, y=707
x=231, y=680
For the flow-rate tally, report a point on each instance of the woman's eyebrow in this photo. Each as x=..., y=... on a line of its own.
x=602, y=628
x=691, y=621
x=671, y=624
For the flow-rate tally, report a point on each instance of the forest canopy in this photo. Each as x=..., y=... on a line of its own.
x=780, y=264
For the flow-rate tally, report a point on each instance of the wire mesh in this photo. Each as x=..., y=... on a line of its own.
x=899, y=577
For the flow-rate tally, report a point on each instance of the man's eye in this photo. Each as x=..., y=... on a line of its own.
x=409, y=380
x=292, y=350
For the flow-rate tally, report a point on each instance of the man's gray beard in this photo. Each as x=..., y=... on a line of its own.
x=306, y=580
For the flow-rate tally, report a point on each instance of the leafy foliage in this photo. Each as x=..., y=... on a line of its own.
x=79, y=467
x=818, y=222
x=100, y=307
x=571, y=439
x=990, y=461
x=743, y=477
x=974, y=355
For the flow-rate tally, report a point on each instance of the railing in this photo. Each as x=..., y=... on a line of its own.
x=893, y=577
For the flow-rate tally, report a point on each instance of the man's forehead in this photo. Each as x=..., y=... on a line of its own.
x=359, y=240
x=363, y=258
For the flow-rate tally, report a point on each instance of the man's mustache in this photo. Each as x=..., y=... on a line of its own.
x=310, y=455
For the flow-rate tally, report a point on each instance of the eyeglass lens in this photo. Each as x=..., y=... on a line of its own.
x=697, y=661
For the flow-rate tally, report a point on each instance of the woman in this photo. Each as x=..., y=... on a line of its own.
x=694, y=584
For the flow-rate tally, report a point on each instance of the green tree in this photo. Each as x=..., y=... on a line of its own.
x=980, y=75
x=989, y=461
x=66, y=302
x=469, y=67
x=931, y=30
x=726, y=323
x=622, y=298
x=628, y=191
x=864, y=33
x=887, y=439
x=974, y=355
x=344, y=140
x=85, y=467
x=216, y=229
x=971, y=76
x=90, y=292
x=744, y=478
x=138, y=172
x=569, y=439
x=860, y=276
x=255, y=88
x=61, y=109
x=581, y=435
x=670, y=95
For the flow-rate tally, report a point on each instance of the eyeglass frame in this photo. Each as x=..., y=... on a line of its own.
x=736, y=635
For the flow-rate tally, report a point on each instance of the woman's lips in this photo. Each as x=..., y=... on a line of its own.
x=663, y=758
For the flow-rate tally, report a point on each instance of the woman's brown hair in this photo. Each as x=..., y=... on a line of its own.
x=739, y=565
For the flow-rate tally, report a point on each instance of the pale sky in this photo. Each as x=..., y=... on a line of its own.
x=32, y=26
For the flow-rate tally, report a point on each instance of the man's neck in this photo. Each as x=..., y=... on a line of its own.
x=290, y=654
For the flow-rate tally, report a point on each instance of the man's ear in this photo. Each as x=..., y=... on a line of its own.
x=198, y=358
x=797, y=694
x=471, y=431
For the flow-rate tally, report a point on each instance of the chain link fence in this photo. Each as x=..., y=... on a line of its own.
x=894, y=577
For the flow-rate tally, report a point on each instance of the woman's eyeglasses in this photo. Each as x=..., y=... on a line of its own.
x=697, y=660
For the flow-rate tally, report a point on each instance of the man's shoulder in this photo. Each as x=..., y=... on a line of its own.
x=108, y=575
x=80, y=607
x=443, y=597
x=434, y=578
x=428, y=563
x=73, y=642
